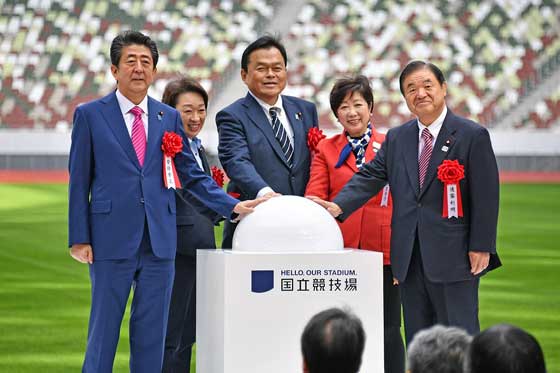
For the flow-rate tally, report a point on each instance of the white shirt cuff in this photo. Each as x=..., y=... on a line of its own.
x=264, y=191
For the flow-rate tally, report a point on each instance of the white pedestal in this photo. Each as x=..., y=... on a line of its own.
x=240, y=330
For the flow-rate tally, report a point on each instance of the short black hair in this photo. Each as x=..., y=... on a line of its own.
x=181, y=85
x=127, y=38
x=333, y=342
x=505, y=348
x=264, y=42
x=343, y=86
x=417, y=65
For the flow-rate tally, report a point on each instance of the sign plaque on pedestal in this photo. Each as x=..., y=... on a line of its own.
x=252, y=307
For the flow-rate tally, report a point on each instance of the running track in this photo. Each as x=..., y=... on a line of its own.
x=61, y=177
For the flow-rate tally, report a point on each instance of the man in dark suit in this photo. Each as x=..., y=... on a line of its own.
x=195, y=229
x=263, y=136
x=438, y=251
x=121, y=216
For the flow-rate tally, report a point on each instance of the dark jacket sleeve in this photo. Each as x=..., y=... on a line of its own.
x=366, y=183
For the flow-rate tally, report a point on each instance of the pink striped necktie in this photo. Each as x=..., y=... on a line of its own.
x=138, y=134
x=425, y=155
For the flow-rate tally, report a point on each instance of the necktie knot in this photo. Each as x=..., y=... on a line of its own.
x=136, y=111
x=426, y=135
x=274, y=111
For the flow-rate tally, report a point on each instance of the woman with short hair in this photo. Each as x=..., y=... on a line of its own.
x=369, y=228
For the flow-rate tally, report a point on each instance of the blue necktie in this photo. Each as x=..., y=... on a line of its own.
x=281, y=135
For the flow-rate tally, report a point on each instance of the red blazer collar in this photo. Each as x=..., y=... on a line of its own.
x=376, y=140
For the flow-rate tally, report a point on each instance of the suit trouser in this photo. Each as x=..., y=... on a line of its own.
x=426, y=303
x=227, y=237
x=181, y=328
x=393, y=343
x=111, y=280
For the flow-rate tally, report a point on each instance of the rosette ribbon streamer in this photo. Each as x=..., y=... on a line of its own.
x=171, y=144
x=450, y=173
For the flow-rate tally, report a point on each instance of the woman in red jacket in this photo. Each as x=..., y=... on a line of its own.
x=369, y=228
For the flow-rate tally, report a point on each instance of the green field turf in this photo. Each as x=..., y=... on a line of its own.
x=44, y=294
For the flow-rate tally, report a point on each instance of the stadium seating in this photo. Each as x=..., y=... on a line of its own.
x=490, y=51
x=54, y=54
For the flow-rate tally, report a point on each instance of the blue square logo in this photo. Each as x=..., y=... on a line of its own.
x=262, y=281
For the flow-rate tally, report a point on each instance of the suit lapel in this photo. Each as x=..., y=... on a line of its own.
x=300, y=138
x=205, y=165
x=410, y=153
x=445, y=138
x=154, y=130
x=350, y=161
x=259, y=118
x=112, y=114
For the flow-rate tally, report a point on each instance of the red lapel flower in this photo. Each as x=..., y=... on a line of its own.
x=450, y=172
x=171, y=144
x=218, y=176
x=314, y=137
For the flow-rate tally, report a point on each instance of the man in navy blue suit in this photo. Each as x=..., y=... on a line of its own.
x=121, y=216
x=438, y=249
x=263, y=136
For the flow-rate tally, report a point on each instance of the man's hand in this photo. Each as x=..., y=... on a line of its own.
x=83, y=253
x=331, y=207
x=246, y=207
x=271, y=194
x=479, y=261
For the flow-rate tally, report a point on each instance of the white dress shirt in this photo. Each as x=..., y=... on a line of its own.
x=125, y=105
x=281, y=115
x=194, y=149
x=283, y=120
x=434, y=129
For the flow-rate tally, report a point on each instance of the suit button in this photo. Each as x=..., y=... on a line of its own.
x=419, y=204
x=142, y=200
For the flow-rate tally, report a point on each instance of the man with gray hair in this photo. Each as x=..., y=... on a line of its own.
x=439, y=349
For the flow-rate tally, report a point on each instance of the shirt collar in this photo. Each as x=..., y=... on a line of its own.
x=196, y=142
x=125, y=104
x=436, y=124
x=266, y=107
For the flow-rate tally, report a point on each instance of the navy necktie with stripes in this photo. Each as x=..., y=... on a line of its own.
x=281, y=135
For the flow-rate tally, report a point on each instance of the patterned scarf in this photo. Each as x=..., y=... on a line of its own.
x=358, y=145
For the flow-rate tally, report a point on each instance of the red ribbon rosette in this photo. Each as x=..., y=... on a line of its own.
x=314, y=137
x=171, y=144
x=218, y=176
x=450, y=173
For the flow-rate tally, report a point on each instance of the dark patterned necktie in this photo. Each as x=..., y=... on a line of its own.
x=281, y=135
x=425, y=155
